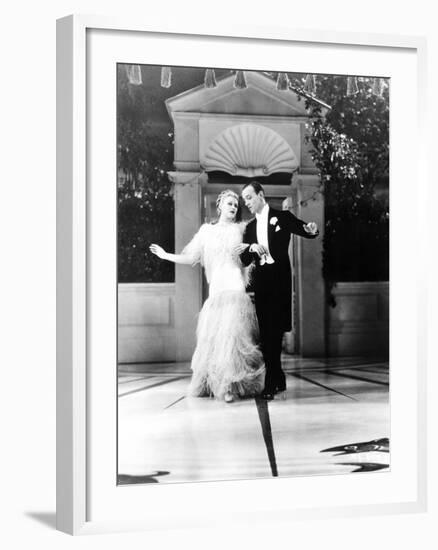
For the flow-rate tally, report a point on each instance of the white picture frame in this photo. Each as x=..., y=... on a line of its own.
x=78, y=367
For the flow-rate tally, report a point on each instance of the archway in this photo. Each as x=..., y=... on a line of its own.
x=245, y=133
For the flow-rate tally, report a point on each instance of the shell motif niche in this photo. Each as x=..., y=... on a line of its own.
x=249, y=150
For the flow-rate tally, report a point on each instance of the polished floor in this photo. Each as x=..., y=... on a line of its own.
x=333, y=419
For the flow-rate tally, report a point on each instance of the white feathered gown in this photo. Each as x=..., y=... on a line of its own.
x=226, y=357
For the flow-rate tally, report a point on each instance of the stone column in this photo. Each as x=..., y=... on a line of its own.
x=188, y=280
x=311, y=285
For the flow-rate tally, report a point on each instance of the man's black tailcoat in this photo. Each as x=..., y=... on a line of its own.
x=272, y=288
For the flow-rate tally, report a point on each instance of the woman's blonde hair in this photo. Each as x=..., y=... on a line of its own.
x=222, y=196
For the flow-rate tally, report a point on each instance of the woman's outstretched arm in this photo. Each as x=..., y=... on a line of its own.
x=175, y=258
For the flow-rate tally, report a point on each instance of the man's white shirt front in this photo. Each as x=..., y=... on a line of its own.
x=262, y=234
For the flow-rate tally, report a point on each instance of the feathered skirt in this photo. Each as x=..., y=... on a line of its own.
x=227, y=358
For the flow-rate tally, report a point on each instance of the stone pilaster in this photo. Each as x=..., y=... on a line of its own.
x=311, y=285
x=188, y=280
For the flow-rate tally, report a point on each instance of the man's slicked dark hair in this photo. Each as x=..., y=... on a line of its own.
x=256, y=186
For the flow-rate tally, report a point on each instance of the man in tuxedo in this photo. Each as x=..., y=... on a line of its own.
x=268, y=237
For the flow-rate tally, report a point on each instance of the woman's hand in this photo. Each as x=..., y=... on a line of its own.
x=238, y=249
x=158, y=251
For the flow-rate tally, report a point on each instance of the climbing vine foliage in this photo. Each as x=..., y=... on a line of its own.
x=350, y=148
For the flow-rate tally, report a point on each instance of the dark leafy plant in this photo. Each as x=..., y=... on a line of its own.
x=350, y=147
x=145, y=195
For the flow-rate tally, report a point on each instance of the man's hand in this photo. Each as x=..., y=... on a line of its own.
x=311, y=228
x=259, y=249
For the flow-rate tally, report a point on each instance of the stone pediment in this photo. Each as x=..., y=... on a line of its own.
x=261, y=98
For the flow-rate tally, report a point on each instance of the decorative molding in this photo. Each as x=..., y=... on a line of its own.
x=207, y=100
x=186, y=166
x=250, y=150
x=241, y=117
x=360, y=287
x=184, y=178
x=307, y=175
x=146, y=287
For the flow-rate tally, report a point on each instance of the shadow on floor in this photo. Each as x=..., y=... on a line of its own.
x=46, y=518
x=124, y=479
x=380, y=445
x=365, y=466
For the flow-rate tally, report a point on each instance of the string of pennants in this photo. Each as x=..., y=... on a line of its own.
x=284, y=83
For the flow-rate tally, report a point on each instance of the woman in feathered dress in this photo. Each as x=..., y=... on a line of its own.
x=227, y=361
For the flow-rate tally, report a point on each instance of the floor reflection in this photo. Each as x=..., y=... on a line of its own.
x=338, y=405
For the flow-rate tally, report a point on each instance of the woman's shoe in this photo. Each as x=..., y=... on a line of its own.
x=228, y=397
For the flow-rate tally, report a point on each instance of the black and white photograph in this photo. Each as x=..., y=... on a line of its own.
x=219, y=275
x=252, y=274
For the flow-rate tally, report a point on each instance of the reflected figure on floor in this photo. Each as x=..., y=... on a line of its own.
x=268, y=236
x=227, y=362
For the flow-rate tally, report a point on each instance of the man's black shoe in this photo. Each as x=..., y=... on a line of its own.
x=267, y=395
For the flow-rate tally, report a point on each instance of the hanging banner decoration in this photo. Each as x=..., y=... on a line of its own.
x=282, y=82
x=310, y=84
x=378, y=86
x=133, y=72
x=352, y=87
x=166, y=77
x=240, y=80
x=210, y=79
